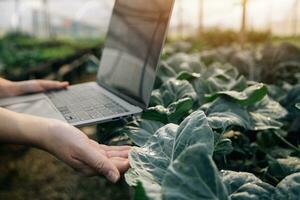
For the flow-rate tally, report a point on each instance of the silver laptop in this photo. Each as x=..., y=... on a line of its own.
x=126, y=73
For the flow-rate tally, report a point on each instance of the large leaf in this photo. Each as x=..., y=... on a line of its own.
x=247, y=97
x=217, y=79
x=172, y=91
x=193, y=176
x=150, y=162
x=280, y=168
x=266, y=113
x=289, y=188
x=194, y=129
x=223, y=113
x=157, y=113
x=223, y=78
x=178, y=109
x=292, y=101
x=172, y=114
x=277, y=93
x=164, y=73
x=244, y=186
x=185, y=62
x=143, y=131
x=171, y=102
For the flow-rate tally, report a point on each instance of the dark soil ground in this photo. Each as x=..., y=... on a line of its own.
x=29, y=173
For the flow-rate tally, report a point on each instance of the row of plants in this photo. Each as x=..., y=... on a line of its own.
x=211, y=133
x=20, y=53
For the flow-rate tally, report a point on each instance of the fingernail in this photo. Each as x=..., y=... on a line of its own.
x=112, y=176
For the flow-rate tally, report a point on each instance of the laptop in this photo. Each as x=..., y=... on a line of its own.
x=126, y=73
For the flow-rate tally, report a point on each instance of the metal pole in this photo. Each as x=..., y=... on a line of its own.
x=201, y=17
x=295, y=21
x=244, y=21
x=270, y=18
x=46, y=18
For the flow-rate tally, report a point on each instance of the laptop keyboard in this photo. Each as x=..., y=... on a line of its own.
x=81, y=103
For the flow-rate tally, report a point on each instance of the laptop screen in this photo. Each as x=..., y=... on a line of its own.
x=132, y=48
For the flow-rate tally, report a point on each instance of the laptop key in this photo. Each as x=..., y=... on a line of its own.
x=71, y=118
x=83, y=115
x=106, y=112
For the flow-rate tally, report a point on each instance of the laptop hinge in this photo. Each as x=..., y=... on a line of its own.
x=124, y=97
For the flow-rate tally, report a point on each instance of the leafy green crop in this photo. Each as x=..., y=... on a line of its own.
x=176, y=163
x=210, y=133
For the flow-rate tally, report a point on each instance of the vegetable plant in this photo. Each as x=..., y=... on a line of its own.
x=211, y=133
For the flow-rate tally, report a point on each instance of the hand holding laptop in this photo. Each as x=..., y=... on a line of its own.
x=10, y=88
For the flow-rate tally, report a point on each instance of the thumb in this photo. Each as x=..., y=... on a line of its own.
x=96, y=160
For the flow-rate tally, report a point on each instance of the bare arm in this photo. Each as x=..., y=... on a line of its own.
x=66, y=142
x=20, y=129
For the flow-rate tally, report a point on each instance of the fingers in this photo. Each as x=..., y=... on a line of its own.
x=114, y=148
x=52, y=85
x=101, y=159
x=121, y=163
x=120, y=154
x=35, y=86
x=96, y=160
x=113, y=151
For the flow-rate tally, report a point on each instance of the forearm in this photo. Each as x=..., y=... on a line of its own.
x=18, y=128
x=65, y=142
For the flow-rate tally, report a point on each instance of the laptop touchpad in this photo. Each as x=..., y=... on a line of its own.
x=41, y=107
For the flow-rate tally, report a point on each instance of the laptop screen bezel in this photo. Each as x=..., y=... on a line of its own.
x=125, y=97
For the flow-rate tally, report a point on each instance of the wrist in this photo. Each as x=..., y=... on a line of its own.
x=49, y=138
x=20, y=128
x=33, y=131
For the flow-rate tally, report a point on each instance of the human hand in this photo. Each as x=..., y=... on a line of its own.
x=65, y=142
x=10, y=88
x=83, y=154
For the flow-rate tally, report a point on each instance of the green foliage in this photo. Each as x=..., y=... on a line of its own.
x=289, y=187
x=208, y=117
x=282, y=167
x=142, y=131
x=172, y=101
x=242, y=185
x=152, y=160
x=247, y=97
x=140, y=193
x=195, y=180
x=20, y=51
x=176, y=163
